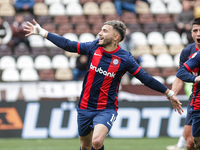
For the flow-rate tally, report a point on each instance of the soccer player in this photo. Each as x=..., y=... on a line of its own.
x=178, y=84
x=107, y=63
x=189, y=72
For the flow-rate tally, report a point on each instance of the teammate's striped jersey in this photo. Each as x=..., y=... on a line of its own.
x=189, y=52
x=104, y=73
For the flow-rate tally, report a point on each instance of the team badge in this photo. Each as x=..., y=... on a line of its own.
x=115, y=61
x=194, y=55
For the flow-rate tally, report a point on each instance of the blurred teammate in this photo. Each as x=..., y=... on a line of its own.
x=178, y=84
x=107, y=63
x=188, y=72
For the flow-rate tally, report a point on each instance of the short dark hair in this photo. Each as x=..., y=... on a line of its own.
x=196, y=21
x=119, y=26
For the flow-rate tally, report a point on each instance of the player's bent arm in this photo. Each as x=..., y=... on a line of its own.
x=185, y=75
x=177, y=85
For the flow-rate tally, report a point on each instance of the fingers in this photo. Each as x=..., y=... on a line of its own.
x=27, y=27
x=34, y=22
x=179, y=109
x=29, y=34
x=30, y=24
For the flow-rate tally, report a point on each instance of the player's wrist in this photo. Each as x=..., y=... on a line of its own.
x=170, y=93
x=39, y=30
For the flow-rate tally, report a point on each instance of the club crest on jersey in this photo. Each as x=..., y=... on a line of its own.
x=194, y=55
x=115, y=61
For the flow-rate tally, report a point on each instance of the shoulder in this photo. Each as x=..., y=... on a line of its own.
x=189, y=49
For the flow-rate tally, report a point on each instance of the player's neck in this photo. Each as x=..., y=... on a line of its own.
x=111, y=47
x=197, y=46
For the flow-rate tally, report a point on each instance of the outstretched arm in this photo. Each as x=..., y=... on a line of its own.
x=66, y=44
x=156, y=85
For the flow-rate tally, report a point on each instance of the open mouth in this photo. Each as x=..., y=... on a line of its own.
x=198, y=40
x=100, y=38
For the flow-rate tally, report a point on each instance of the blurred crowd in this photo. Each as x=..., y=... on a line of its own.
x=12, y=34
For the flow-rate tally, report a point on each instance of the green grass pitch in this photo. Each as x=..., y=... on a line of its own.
x=74, y=144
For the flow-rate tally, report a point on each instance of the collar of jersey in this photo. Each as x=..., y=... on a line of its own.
x=196, y=48
x=112, y=51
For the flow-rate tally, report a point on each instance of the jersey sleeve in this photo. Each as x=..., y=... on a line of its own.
x=183, y=57
x=72, y=46
x=146, y=79
x=193, y=62
x=184, y=72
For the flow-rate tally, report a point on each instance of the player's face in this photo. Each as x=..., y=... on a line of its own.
x=106, y=35
x=196, y=34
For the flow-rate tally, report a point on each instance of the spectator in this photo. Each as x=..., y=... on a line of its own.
x=129, y=5
x=18, y=33
x=24, y=5
x=5, y=32
x=183, y=20
x=81, y=67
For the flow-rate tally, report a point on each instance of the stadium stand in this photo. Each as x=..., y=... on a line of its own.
x=56, y=9
x=91, y=8
x=86, y=37
x=10, y=75
x=142, y=8
x=164, y=60
x=153, y=33
x=5, y=50
x=170, y=79
x=46, y=75
x=139, y=38
x=65, y=2
x=29, y=74
x=40, y=9
x=36, y=41
x=159, y=49
x=141, y=49
x=42, y=62
x=60, y=61
x=148, y=61
x=107, y=8
x=21, y=49
x=7, y=62
x=49, y=2
x=155, y=38
x=7, y=9
x=24, y=61
x=158, y=7
x=63, y=74
x=71, y=36
x=74, y=8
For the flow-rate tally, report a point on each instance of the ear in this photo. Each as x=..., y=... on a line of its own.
x=117, y=37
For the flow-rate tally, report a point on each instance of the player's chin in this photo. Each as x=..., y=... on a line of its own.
x=100, y=43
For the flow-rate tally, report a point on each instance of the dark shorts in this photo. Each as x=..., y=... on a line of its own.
x=87, y=119
x=188, y=119
x=195, y=123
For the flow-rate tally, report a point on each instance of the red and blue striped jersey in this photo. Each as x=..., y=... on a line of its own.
x=187, y=54
x=105, y=69
x=104, y=73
